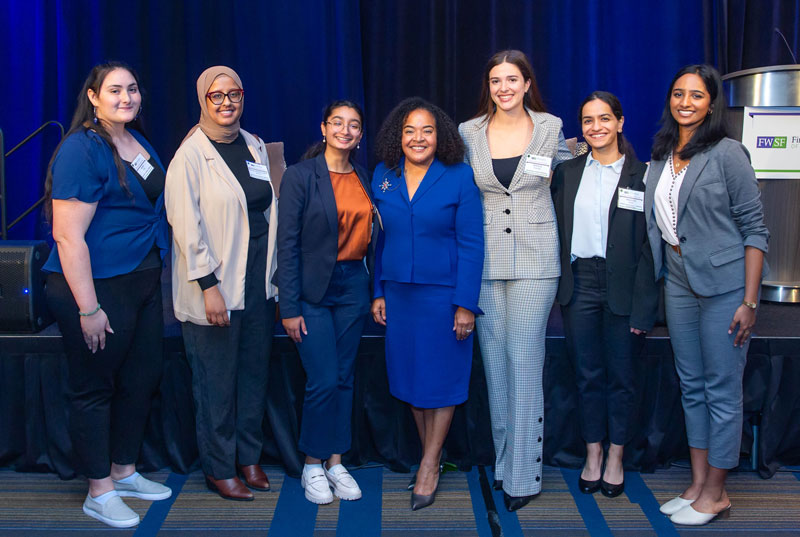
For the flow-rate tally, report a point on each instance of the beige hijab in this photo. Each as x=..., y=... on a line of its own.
x=215, y=132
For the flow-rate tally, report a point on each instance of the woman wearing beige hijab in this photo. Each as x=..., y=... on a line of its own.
x=223, y=211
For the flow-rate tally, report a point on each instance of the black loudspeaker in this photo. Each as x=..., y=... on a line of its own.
x=23, y=307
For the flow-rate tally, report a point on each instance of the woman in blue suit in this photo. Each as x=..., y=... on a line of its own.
x=324, y=231
x=706, y=228
x=428, y=268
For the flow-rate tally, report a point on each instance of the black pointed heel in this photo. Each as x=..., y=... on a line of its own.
x=588, y=487
x=517, y=502
x=611, y=491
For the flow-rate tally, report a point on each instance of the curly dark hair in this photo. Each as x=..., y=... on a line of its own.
x=449, y=145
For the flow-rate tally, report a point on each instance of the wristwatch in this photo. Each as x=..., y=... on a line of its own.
x=751, y=305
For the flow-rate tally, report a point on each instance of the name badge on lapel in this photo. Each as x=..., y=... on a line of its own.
x=142, y=167
x=633, y=200
x=258, y=171
x=537, y=165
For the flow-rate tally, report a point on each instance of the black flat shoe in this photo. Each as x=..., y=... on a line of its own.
x=516, y=502
x=611, y=491
x=588, y=487
x=498, y=484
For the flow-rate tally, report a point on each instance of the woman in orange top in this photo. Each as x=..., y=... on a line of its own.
x=324, y=230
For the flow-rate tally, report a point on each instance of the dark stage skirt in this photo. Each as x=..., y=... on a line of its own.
x=426, y=365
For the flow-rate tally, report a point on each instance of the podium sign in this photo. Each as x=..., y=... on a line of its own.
x=772, y=135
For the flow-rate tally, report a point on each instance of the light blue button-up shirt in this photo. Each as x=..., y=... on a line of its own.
x=592, y=202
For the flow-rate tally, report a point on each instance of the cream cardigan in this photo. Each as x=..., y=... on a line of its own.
x=207, y=210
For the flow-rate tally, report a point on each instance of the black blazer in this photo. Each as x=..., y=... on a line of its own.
x=629, y=261
x=308, y=233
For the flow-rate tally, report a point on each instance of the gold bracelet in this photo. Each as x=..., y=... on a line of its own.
x=751, y=305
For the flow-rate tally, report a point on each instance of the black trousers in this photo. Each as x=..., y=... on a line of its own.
x=605, y=355
x=229, y=374
x=110, y=391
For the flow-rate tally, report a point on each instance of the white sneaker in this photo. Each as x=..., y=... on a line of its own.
x=142, y=488
x=316, y=484
x=113, y=512
x=344, y=486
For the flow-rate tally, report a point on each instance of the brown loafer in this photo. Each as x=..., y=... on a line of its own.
x=254, y=476
x=230, y=489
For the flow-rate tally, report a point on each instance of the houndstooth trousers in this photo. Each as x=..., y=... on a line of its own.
x=512, y=338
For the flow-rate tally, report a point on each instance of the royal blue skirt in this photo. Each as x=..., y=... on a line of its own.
x=427, y=366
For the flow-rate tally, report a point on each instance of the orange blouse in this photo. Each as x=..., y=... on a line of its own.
x=354, y=212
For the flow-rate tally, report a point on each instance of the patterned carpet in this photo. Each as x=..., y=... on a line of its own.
x=42, y=505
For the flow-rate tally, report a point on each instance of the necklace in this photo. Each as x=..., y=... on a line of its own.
x=678, y=163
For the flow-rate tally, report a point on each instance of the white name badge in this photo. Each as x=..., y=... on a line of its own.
x=633, y=200
x=537, y=165
x=142, y=167
x=258, y=171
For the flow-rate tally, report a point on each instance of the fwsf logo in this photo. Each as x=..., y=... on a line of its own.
x=771, y=142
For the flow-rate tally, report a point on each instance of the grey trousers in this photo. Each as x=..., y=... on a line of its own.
x=512, y=339
x=710, y=368
x=229, y=375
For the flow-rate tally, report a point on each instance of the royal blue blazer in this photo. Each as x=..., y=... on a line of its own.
x=436, y=237
x=308, y=233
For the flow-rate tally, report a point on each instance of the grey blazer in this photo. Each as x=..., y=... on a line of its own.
x=519, y=222
x=719, y=213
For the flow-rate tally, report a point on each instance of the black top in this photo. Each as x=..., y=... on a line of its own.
x=505, y=168
x=153, y=186
x=257, y=192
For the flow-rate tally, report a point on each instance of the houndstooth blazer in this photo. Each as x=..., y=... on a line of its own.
x=521, y=237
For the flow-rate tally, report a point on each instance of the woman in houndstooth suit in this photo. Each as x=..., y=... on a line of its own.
x=512, y=145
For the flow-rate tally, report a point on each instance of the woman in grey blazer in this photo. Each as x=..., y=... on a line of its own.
x=512, y=145
x=707, y=234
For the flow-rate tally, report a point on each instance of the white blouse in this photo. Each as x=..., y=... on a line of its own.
x=666, y=201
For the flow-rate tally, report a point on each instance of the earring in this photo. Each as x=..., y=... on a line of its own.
x=358, y=145
x=139, y=113
x=323, y=140
x=95, y=115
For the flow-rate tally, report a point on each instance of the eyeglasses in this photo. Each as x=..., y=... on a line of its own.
x=339, y=125
x=218, y=97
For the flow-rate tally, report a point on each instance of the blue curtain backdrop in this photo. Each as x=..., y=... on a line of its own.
x=295, y=56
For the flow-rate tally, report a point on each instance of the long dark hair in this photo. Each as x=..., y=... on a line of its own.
x=532, y=98
x=83, y=119
x=319, y=147
x=389, y=147
x=713, y=129
x=623, y=145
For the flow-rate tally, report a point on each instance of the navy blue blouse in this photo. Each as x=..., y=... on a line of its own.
x=124, y=227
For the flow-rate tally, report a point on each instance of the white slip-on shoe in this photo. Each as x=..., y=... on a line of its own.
x=689, y=517
x=674, y=505
x=113, y=512
x=316, y=484
x=142, y=488
x=344, y=486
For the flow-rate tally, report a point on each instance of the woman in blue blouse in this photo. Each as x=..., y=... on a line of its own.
x=427, y=272
x=607, y=293
x=105, y=185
